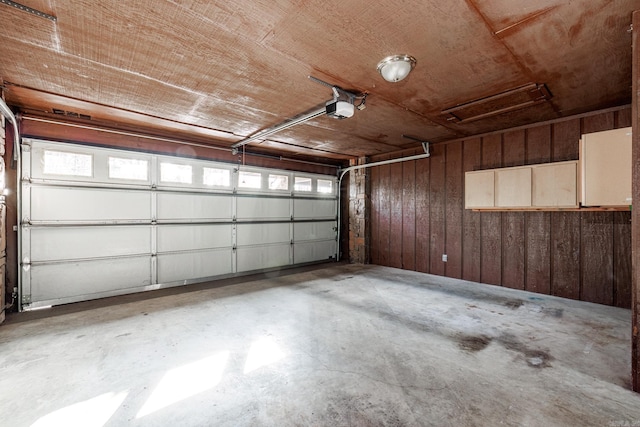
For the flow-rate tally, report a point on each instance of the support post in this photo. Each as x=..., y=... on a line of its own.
x=359, y=209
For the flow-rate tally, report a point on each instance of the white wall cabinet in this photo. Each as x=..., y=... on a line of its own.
x=555, y=185
x=513, y=187
x=479, y=187
x=548, y=185
x=605, y=168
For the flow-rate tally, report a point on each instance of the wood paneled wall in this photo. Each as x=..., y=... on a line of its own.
x=417, y=215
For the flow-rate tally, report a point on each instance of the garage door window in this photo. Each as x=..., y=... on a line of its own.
x=136, y=169
x=180, y=174
x=216, y=177
x=64, y=163
x=278, y=182
x=302, y=184
x=325, y=186
x=250, y=180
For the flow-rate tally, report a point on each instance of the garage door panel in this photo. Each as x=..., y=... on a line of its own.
x=88, y=204
x=260, y=234
x=84, y=279
x=263, y=208
x=64, y=243
x=194, y=265
x=314, y=208
x=304, y=231
x=192, y=237
x=195, y=206
x=105, y=221
x=259, y=257
x=313, y=251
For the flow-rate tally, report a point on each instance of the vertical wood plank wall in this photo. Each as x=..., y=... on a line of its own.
x=418, y=215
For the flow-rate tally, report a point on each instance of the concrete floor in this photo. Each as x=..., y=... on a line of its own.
x=343, y=345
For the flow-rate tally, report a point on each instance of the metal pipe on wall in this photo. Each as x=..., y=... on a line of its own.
x=425, y=146
x=8, y=114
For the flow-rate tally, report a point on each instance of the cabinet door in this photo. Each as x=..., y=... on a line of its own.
x=555, y=185
x=479, y=189
x=606, y=168
x=513, y=187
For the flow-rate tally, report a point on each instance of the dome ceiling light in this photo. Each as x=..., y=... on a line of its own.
x=396, y=67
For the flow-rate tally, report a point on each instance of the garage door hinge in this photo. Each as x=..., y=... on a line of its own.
x=26, y=299
x=154, y=221
x=234, y=248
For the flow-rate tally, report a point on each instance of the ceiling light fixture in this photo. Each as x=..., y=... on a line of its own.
x=396, y=67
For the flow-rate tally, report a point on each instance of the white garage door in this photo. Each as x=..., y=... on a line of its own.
x=99, y=222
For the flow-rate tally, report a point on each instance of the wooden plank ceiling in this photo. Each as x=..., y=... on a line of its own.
x=219, y=71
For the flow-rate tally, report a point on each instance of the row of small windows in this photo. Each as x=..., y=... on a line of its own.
x=281, y=182
x=77, y=164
